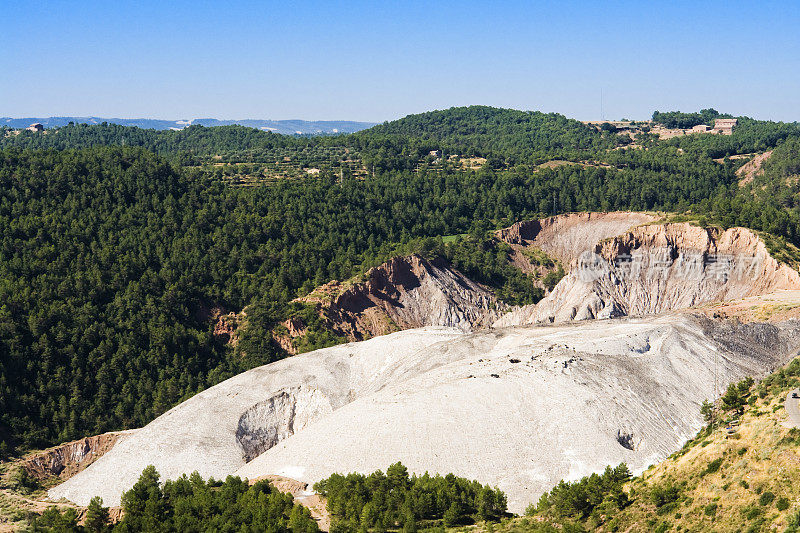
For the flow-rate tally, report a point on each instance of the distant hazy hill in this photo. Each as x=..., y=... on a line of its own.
x=278, y=126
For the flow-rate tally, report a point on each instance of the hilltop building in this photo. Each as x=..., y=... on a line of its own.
x=724, y=126
x=35, y=127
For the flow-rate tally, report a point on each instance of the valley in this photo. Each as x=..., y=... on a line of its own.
x=517, y=322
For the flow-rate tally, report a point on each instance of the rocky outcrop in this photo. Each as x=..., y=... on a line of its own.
x=411, y=292
x=403, y=293
x=566, y=237
x=225, y=324
x=290, y=329
x=657, y=268
x=226, y=327
x=68, y=459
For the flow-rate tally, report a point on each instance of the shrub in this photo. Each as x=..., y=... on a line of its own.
x=782, y=503
x=793, y=524
x=667, y=508
x=713, y=466
x=663, y=527
x=752, y=512
x=766, y=498
x=663, y=495
x=710, y=509
x=23, y=482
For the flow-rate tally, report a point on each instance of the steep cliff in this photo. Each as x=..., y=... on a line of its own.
x=403, y=293
x=566, y=237
x=66, y=460
x=657, y=268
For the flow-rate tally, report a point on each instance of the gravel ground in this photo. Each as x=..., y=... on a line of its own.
x=519, y=408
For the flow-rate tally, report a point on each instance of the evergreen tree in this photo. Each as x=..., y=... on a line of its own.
x=96, y=516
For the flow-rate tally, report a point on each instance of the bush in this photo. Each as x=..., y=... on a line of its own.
x=782, y=503
x=751, y=512
x=710, y=509
x=766, y=498
x=52, y=519
x=663, y=527
x=713, y=466
x=664, y=495
x=793, y=524
x=23, y=482
x=667, y=508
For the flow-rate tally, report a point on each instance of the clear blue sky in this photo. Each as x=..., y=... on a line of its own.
x=381, y=60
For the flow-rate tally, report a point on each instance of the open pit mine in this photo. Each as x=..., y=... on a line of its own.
x=611, y=366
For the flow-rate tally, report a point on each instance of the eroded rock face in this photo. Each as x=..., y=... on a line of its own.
x=68, y=459
x=226, y=327
x=566, y=237
x=403, y=293
x=267, y=423
x=294, y=328
x=658, y=268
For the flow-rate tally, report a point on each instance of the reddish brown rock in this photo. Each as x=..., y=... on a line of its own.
x=68, y=459
x=403, y=293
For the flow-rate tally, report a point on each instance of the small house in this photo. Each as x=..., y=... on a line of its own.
x=35, y=127
x=724, y=126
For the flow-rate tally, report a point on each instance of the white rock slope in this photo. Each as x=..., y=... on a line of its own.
x=660, y=268
x=518, y=408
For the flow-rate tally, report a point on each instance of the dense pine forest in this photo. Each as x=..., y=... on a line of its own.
x=188, y=503
x=380, y=502
x=116, y=241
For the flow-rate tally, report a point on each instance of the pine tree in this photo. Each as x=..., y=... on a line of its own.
x=409, y=522
x=96, y=516
x=452, y=515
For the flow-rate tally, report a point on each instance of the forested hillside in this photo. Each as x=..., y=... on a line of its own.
x=111, y=257
x=505, y=137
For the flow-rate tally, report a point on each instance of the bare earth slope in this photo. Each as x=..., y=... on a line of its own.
x=749, y=170
x=520, y=408
x=403, y=293
x=657, y=268
x=69, y=458
x=566, y=237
